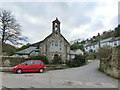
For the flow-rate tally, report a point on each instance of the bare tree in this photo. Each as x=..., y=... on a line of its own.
x=10, y=29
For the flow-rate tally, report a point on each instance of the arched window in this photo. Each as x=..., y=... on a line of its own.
x=56, y=43
x=60, y=43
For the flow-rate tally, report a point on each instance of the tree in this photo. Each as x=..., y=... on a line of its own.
x=77, y=46
x=117, y=31
x=23, y=47
x=10, y=29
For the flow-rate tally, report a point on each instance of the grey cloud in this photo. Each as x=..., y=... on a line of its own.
x=115, y=21
x=98, y=25
x=72, y=15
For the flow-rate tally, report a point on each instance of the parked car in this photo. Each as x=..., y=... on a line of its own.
x=30, y=66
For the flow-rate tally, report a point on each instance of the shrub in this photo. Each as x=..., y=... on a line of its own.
x=104, y=52
x=90, y=55
x=57, y=60
x=78, y=61
x=39, y=57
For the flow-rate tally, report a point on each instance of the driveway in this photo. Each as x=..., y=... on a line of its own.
x=87, y=76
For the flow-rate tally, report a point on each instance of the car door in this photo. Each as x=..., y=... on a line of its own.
x=37, y=65
x=28, y=66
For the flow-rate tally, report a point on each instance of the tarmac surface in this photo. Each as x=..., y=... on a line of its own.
x=87, y=76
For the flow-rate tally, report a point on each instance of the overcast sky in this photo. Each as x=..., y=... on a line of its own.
x=78, y=19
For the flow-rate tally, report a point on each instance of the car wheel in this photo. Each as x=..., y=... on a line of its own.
x=41, y=70
x=19, y=71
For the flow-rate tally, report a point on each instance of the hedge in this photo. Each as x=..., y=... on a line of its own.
x=39, y=57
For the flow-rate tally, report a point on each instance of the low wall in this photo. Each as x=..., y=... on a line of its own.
x=9, y=61
x=110, y=65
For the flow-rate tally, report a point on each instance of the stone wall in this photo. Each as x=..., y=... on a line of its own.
x=9, y=61
x=110, y=65
x=0, y=47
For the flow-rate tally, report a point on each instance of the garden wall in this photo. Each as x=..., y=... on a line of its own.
x=9, y=61
x=110, y=65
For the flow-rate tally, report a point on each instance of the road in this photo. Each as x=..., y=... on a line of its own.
x=87, y=76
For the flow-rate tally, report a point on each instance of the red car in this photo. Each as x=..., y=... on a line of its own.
x=30, y=66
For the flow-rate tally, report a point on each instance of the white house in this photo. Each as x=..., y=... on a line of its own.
x=106, y=42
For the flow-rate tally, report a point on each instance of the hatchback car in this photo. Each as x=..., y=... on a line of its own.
x=30, y=66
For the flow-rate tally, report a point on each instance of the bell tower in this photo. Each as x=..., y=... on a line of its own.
x=56, y=26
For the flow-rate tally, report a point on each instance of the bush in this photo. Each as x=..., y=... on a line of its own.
x=104, y=52
x=90, y=55
x=39, y=57
x=57, y=60
x=78, y=61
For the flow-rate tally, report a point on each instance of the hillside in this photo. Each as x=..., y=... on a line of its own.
x=104, y=35
x=8, y=49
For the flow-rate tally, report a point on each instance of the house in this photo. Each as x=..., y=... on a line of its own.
x=75, y=52
x=31, y=51
x=112, y=42
x=91, y=46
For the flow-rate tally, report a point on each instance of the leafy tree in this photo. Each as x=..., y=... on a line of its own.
x=10, y=29
x=77, y=46
x=93, y=41
x=91, y=50
x=117, y=31
x=83, y=42
x=23, y=47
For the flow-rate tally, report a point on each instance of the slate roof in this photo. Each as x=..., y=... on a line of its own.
x=90, y=44
x=75, y=52
x=105, y=40
x=27, y=51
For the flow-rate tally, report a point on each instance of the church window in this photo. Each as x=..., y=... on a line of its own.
x=60, y=43
x=56, y=43
x=52, y=44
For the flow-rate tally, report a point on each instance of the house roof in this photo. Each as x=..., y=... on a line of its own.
x=115, y=39
x=76, y=52
x=27, y=51
x=90, y=44
x=103, y=41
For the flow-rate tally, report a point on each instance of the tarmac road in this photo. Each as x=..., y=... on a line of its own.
x=87, y=76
